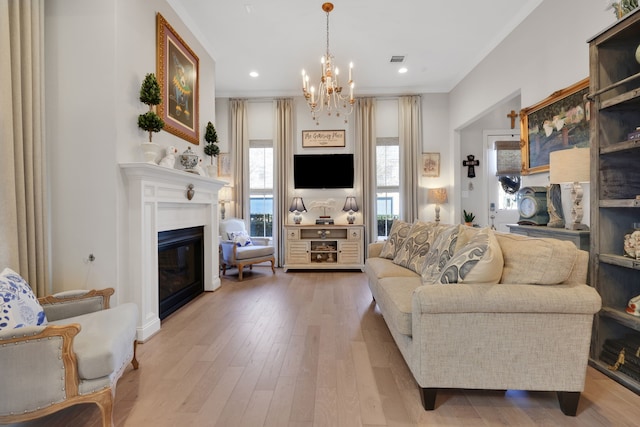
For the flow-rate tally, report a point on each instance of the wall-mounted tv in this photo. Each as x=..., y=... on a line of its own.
x=323, y=171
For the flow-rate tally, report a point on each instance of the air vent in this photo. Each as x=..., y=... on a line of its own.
x=397, y=59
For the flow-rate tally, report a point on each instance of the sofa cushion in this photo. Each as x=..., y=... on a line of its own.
x=537, y=261
x=19, y=307
x=240, y=238
x=399, y=231
x=105, y=340
x=478, y=261
x=395, y=298
x=414, y=249
x=248, y=252
x=441, y=252
x=382, y=267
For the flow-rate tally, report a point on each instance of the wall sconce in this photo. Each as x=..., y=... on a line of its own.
x=350, y=206
x=225, y=195
x=297, y=206
x=437, y=196
x=571, y=165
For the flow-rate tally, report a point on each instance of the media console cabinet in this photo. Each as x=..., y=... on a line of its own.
x=327, y=247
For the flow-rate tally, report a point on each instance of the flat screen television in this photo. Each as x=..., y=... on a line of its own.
x=323, y=170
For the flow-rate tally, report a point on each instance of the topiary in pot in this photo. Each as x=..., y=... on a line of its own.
x=210, y=135
x=150, y=95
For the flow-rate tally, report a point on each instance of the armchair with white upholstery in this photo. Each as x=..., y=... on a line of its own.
x=76, y=355
x=238, y=249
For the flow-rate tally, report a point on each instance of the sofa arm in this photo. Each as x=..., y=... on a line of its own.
x=38, y=367
x=75, y=303
x=572, y=298
x=374, y=249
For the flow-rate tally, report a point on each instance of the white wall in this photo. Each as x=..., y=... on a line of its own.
x=547, y=52
x=97, y=54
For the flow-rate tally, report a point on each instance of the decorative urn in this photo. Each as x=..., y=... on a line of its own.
x=189, y=160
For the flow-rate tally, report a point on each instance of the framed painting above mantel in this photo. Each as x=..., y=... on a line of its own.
x=558, y=122
x=178, y=75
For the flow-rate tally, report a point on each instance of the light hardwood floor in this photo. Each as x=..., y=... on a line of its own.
x=310, y=349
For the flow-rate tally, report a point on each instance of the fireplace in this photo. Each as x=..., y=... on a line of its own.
x=162, y=199
x=180, y=268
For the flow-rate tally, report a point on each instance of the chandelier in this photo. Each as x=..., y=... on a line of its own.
x=329, y=96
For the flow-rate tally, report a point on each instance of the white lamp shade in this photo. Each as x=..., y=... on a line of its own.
x=570, y=165
x=437, y=195
x=225, y=194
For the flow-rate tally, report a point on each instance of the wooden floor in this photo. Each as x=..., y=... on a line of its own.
x=310, y=349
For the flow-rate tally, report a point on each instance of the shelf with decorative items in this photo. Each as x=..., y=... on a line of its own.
x=324, y=247
x=615, y=194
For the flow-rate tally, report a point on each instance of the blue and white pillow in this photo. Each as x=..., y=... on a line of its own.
x=240, y=238
x=19, y=307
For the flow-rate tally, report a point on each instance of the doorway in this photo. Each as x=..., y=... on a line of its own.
x=501, y=204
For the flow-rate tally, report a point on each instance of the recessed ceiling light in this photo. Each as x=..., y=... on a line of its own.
x=254, y=74
x=403, y=70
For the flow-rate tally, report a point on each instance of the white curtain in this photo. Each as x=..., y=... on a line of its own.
x=283, y=156
x=22, y=163
x=365, y=126
x=240, y=154
x=410, y=139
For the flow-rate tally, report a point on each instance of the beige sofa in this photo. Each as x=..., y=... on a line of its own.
x=529, y=331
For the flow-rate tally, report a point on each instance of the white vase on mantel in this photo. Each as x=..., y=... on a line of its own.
x=151, y=152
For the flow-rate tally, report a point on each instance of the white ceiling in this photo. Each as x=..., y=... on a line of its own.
x=441, y=40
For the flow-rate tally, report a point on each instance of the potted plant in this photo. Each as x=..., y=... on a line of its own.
x=211, y=149
x=150, y=121
x=468, y=218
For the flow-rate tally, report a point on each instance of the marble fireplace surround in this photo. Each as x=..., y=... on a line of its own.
x=158, y=201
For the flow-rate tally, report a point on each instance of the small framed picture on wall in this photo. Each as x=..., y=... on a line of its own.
x=431, y=164
x=224, y=165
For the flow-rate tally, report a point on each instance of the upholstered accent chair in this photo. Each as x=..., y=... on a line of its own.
x=77, y=356
x=238, y=249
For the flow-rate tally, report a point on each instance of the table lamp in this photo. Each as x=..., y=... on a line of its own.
x=571, y=166
x=437, y=196
x=297, y=206
x=225, y=195
x=350, y=206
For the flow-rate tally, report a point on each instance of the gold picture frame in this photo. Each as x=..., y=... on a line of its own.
x=431, y=164
x=558, y=122
x=178, y=75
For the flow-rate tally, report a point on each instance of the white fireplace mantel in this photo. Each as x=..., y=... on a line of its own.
x=158, y=201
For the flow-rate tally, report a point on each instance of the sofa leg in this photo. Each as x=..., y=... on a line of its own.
x=569, y=402
x=134, y=361
x=273, y=267
x=428, y=396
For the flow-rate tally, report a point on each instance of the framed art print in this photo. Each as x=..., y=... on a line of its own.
x=558, y=122
x=431, y=164
x=323, y=138
x=178, y=74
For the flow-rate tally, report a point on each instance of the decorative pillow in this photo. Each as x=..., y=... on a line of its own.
x=240, y=238
x=441, y=252
x=399, y=231
x=479, y=261
x=536, y=261
x=416, y=246
x=19, y=307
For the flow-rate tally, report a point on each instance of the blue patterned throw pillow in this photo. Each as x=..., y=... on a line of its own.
x=19, y=307
x=240, y=238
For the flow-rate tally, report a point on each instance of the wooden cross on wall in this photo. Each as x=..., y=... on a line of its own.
x=471, y=163
x=512, y=116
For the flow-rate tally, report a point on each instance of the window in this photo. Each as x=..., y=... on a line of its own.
x=261, y=188
x=387, y=184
